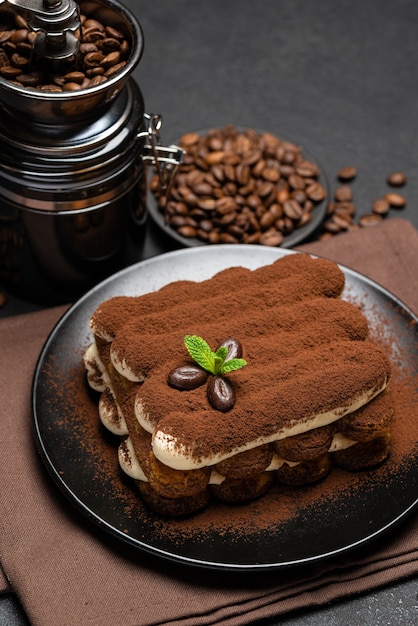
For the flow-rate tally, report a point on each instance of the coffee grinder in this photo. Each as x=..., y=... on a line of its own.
x=73, y=161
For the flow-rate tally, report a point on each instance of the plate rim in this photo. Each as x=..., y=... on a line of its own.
x=127, y=540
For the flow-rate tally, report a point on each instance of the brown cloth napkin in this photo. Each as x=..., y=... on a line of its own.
x=66, y=575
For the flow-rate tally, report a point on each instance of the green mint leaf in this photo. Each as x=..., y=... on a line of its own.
x=213, y=362
x=222, y=352
x=218, y=362
x=219, y=358
x=200, y=352
x=232, y=365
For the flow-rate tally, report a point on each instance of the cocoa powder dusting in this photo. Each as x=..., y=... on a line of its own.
x=111, y=315
x=78, y=427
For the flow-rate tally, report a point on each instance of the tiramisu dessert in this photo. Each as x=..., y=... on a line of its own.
x=229, y=387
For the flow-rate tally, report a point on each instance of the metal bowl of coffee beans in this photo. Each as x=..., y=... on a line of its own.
x=240, y=185
x=79, y=86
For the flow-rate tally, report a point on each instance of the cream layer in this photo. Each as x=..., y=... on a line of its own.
x=174, y=454
x=167, y=449
x=130, y=465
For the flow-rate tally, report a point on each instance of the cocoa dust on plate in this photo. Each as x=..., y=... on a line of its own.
x=338, y=492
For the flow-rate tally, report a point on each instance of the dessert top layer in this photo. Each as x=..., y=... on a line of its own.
x=301, y=275
x=309, y=359
x=315, y=387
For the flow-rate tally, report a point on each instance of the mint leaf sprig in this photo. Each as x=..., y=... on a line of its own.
x=217, y=362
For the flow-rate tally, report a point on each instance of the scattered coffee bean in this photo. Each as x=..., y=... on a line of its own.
x=343, y=194
x=381, y=206
x=251, y=188
x=331, y=227
x=343, y=221
x=396, y=200
x=220, y=393
x=370, y=219
x=341, y=211
x=234, y=348
x=347, y=173
x=187, y=377
x=396, y=179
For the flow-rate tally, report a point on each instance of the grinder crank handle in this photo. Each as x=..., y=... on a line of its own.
x=55, y=21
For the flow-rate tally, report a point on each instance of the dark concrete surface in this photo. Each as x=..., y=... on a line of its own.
x=339, y=78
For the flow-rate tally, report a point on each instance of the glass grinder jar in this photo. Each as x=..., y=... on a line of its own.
x=73, y=163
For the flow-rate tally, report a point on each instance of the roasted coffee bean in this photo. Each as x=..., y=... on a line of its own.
x=51, y=88
x=346, y=207
x=74, y=77
x=220, y=393
x=19, y=35
x=342, y=221
x=103, y=49
x=299, y=195
x=343, y=194
x=396, y=179
x=10, y=72
x=296, y=182
x=234, y=348
x=187, y=231
x=307, y=169
x=19, y=61
x=242, y=180
x=110, y=44
x=114, y=33
x=29, y=80
x=71, y=87
x=381, y=206
x=347, y=173
x=292, y=209
x=316, y=192
x=267, y=220
x=331, y=227
x=305, y=219
x=331, y=207
x=272, y=238
x=396, y=200
x=111, y=59
x=226, y=237
x=371, y=219
x=187, y=377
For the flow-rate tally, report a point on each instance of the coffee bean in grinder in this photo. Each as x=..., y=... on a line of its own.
x=75, y=143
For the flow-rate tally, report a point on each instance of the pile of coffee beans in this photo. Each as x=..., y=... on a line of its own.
x=102, y=53
x=240, y=187
x=342, y=210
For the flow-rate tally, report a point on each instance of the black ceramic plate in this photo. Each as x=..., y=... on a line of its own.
x=341, y=513
x=296, y=237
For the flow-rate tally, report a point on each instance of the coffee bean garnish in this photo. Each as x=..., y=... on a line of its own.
x=234, y=348
x=187, y=377
x=220, y=393
x=227, y=358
